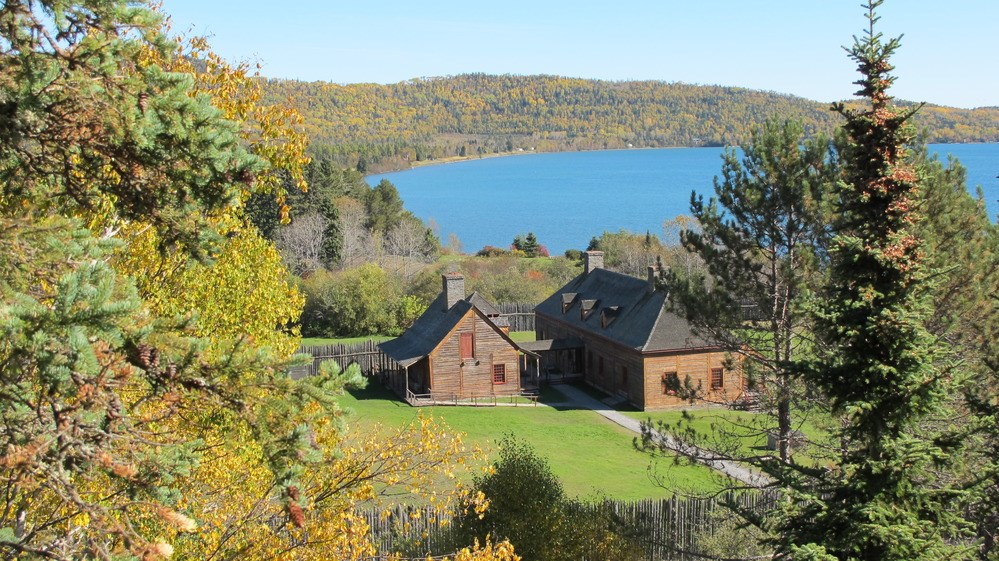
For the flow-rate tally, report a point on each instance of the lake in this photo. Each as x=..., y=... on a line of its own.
x=568, y=198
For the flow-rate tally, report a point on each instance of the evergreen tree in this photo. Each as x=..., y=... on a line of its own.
x=106, y=405
x=530, y=246
x=877, y=363
x=384, y=207
x=759, y=238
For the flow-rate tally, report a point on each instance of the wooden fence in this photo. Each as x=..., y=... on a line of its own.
x=366, y=355
x=668, y=529
x=373, y=361
x=520, y=315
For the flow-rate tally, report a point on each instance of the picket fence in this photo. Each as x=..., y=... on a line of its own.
x=668, y=529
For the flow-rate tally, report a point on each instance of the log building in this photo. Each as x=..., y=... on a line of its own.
x=619, y=333
x=459, y=348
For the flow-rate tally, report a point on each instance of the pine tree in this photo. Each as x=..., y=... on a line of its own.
x=759, y=240
x=878, y=365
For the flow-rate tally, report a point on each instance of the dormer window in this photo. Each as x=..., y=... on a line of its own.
x=586, y=308
x=608, y=315
x=567, y=299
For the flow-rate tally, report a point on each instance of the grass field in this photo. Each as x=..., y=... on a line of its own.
x=735, y=424
x=592, y=456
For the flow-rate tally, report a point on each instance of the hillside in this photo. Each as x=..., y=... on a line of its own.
x=391, y=126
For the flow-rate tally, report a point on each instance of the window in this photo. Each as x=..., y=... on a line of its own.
x=567, y=300
x=671, y=383
x=467, y=345
x=499, y=373
x=717, y=378
x=607, y=315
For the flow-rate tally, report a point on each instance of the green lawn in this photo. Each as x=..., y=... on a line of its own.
x=522, y=336
x=592, y=456
x=743, y=426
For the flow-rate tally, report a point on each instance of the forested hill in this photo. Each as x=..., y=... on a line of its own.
x=390, y=126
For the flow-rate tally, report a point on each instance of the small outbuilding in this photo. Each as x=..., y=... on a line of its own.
x=618, y=332
x=458, y=349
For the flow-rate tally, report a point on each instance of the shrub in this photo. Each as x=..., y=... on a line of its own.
x=351, y=303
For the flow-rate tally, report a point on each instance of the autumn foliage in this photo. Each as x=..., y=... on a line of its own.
x=144, y=325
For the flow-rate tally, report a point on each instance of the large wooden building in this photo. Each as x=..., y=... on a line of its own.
x=458, y=349
x=619, y=332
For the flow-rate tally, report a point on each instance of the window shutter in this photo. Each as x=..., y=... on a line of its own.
x=467, y=341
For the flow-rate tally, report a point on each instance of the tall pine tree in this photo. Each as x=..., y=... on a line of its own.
x=878, y=364
x=758, y=238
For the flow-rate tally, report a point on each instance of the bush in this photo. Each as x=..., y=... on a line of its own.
x=353, y=303
x=492, y=251
x=528, y=506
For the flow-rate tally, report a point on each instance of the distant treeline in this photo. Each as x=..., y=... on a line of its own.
x=378, y=127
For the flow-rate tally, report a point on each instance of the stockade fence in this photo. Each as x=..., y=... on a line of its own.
x=519, y=314
x=365, y=354
x=668, y=529
x=373, y=361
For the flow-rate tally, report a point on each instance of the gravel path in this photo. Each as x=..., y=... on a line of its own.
x=578, y=398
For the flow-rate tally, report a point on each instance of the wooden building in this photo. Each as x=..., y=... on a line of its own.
x=458, y=349
x=619, y=332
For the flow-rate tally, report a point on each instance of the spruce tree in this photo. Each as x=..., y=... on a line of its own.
x=877, y=364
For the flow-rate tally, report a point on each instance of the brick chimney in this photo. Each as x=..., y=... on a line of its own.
x=653, y=277
x=593, y=260
x=453, y=286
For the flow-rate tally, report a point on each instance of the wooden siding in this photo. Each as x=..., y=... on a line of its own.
x=696, y=365
x=474, y=377
x=616, y=359
x=643, y=385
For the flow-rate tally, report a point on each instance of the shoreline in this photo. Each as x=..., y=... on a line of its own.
x=457, y=159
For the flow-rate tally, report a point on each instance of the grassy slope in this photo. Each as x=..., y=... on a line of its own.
x=592, y=456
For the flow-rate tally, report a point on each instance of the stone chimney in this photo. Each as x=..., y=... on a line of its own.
x=653, y=277
x=593, y=260
x=453, y=288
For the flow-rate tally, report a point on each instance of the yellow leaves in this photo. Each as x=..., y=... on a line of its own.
x=502, y=551
x=81, y=520
x=246, y=291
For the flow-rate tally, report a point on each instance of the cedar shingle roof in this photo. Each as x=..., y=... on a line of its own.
x=430, y=328
x=640, y=319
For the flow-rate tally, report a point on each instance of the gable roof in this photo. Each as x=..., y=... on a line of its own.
x=640, y=318
x=484, y=306
x=430, y=329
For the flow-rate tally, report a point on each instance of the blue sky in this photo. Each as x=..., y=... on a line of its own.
x=949, y=53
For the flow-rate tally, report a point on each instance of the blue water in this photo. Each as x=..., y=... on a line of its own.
x=567, y=198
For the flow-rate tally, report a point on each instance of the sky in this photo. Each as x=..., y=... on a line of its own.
x=949, y=53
